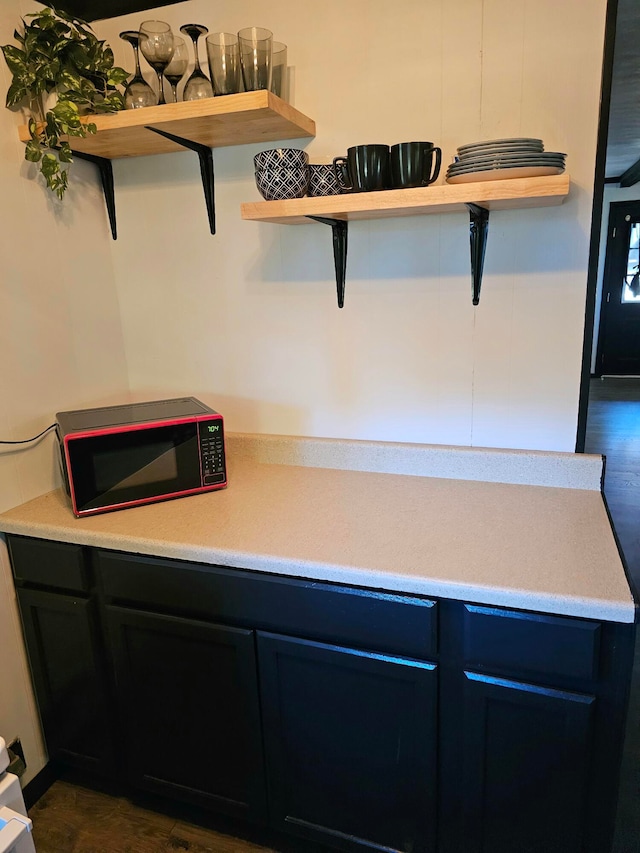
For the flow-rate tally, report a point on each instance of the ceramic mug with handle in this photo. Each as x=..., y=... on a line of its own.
x=414, y=164
x=364, y=169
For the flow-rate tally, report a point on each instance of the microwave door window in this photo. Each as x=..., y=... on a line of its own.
x=127, y=469
x=134, y=465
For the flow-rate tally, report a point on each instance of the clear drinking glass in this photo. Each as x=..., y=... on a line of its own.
x=156, y=44
x=256, y=45
x=278, y=69
x=137, y=93
x=224, y=62
x=175, y=70
x=198, y=85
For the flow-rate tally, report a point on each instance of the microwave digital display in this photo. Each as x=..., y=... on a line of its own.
x=128, y=460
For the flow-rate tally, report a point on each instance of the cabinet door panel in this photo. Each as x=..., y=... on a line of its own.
x=527, y=755
x=189, y=706
x=68, y=676
x=350, y=739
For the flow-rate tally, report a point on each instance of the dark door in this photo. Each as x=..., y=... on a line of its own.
x=526, y=763
x=188, y=696
x=350, y=741
x=618, y=351
x=69, y=679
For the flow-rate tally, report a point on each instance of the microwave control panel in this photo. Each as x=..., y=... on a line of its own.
x=211, y=435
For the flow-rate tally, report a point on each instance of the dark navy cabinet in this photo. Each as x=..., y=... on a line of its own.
x=526, y=773
x=348, y=718
x=350, y=738
x=188, y=698
x=66, y=654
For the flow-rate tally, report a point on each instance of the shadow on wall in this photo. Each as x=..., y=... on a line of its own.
x=520, y=243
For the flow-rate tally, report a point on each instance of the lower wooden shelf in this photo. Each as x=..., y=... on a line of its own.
x=478, y=199
x=442, y=198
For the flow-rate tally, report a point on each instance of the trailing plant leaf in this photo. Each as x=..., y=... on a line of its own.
x=60, y=54
x=65, y=155
x=32, y=151
x=15, y=58
x=16, y=92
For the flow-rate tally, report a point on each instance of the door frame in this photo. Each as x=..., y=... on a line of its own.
x=596, y=220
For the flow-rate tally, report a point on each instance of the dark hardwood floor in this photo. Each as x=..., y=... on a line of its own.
x=71, y=819
x=613, y=429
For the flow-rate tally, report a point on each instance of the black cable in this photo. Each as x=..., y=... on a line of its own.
x=35, y=437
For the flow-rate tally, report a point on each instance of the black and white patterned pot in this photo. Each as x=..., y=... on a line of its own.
x=281, y=158
x=280, y=184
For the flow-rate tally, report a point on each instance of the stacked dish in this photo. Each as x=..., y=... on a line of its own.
x=282, y=173
x=504, y=158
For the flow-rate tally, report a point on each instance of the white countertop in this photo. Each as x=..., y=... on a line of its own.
x=535, y=547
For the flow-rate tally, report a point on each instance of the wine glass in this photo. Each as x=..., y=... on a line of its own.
x=156, y=44
x=138, y=93
x=174, y=72
x=198, y=85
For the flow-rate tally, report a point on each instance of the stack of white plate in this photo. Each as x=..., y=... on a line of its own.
x=497, y=159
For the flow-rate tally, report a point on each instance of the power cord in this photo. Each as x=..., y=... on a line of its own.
x=35, y=437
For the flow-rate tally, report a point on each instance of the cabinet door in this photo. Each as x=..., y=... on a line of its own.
x=188, y=697
x=350, y=740
x=526, y=760
x=69, y=679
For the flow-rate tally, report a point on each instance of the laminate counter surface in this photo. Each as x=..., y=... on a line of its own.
x=543, y=548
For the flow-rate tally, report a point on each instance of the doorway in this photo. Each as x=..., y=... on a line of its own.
x=618, y=350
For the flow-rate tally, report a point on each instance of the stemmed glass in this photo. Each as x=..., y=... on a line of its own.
x=138, y=93
x=174, y=72
x=198, y=85
x=156, y=44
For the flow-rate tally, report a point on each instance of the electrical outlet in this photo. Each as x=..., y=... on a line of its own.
x=17, y=761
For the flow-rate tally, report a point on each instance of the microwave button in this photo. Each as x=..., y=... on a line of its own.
x=212, y=479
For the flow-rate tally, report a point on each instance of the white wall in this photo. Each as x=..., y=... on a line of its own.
x=248, y=319
x=61, y=346
x=612, y=193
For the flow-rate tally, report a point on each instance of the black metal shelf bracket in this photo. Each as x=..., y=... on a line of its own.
x=478, y=229
x=206, y=170
x=340, y=229
x=106, y=177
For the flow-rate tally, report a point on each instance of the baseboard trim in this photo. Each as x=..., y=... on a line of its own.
x=39, y=785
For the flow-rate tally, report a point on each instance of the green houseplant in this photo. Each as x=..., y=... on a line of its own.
x=60, y=55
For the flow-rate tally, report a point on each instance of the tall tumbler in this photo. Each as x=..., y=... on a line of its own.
x=256, y=44
x=279, y=69
x=224, y=62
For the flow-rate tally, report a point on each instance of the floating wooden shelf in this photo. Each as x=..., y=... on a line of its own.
x=241, y=119
x=475, y=198
x=442, y=198
x=215, y=122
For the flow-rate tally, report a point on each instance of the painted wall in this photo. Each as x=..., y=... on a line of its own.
x=612, y=193
x=61, y=346
x=248, y=320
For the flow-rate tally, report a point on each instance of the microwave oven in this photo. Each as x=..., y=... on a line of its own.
x=122, y=456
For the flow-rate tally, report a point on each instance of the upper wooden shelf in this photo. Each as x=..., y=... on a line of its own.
x=441, y=198
x=215, y=122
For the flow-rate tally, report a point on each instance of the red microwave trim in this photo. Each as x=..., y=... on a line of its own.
x=147, y=425
x=169, y=496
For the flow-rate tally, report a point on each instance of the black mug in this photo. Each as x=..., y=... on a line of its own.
x=364, y=169
x=412, y=164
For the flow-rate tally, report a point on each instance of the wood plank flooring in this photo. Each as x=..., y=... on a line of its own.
x=71, y=819
x=613, y=429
